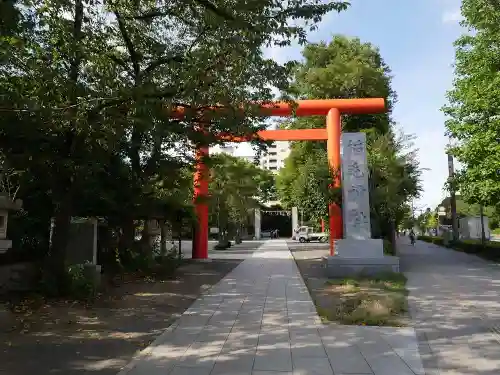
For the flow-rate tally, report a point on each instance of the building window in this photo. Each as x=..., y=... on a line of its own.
x=273, y=168
x=273, y=153
x=273, y=161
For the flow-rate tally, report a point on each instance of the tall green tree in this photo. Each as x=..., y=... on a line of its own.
x=348, y=68
x=87, y=88
x=474, y=103
x=236, y=187
x=394, y=180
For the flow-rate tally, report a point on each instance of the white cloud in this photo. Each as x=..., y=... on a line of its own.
x=452, y=16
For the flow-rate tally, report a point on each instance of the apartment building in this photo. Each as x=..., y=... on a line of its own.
x=274, y=158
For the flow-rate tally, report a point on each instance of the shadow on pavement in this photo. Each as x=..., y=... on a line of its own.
x=74, y=340
x=455, y=304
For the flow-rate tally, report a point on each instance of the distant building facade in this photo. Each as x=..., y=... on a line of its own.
x=274, y=158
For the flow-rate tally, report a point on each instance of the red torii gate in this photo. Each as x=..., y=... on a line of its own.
x=331, y=108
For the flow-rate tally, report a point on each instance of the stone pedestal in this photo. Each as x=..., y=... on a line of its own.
x=360, y=257
x=357, y=253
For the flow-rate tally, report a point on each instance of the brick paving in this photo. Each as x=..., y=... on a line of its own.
x=260, y=320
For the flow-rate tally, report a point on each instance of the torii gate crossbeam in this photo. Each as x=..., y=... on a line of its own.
x=331, y=108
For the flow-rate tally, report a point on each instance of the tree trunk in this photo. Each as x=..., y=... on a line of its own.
x=237, y=236
x=64, y=182
x=483, y=233
x=146, y=247
x=127, y=237
x=392, y=236
x=57, y=256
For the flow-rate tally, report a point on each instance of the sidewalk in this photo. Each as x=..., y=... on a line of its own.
x=260, y=320
x=455, y=302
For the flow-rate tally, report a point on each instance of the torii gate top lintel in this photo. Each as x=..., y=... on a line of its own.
x=316, y=107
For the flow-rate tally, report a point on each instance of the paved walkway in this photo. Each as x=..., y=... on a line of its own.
x=260, y=320
x=455, y=302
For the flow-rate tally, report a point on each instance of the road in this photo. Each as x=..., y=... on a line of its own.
x=455, y=303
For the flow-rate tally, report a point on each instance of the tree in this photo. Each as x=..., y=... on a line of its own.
x=88, y=89
x=236, y=186
x=304, y=181
x=347, y=68
x=474, y=104
x=408, y=221
x=427, y=221
x=394, y=179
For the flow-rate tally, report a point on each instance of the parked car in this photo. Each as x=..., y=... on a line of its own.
x=307, y=234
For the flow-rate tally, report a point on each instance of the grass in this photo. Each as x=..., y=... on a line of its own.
x=496, y=231
x=379, y=300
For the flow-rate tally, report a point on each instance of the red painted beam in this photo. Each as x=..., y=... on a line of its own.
x=280, y=135
x=318, y=107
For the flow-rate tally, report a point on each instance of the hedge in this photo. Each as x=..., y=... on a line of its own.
x=491, y=250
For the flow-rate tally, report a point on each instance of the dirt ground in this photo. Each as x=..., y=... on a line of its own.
x=72, y=339
x=351, y=301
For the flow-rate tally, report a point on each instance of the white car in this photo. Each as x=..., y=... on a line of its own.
x=306, y=234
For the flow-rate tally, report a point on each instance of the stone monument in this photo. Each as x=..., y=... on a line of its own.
x=82, y=246
x=357, y=252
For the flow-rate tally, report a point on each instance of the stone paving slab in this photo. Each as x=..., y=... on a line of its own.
x=455, y=303
x=260, y=320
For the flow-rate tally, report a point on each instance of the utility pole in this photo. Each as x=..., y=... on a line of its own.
x=453, y=199
x=483, y=234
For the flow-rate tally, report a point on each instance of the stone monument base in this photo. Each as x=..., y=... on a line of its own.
x=5, y=245
x=360, y=258
x=347, y=267
x=352, y=248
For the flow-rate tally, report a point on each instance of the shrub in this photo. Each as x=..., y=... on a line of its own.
x=388, y=248
x=81, y=286
x=491, y=250
x=435, y=240
x=76, y=284
x=167, y=264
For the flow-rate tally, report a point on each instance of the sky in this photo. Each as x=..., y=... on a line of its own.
x=415, y=39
